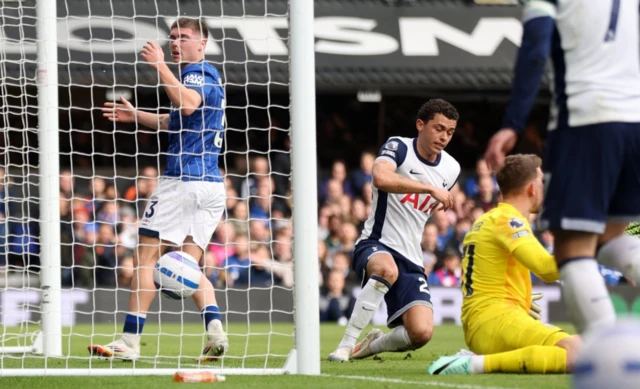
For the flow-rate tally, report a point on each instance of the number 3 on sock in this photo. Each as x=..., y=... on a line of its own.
x=424, y=288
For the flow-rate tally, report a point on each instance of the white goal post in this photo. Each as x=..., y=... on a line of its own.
x=39, y=333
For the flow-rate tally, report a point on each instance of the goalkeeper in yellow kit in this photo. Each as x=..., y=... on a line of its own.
x=500, y=252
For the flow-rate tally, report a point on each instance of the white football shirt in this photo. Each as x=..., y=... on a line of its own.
x=397, y=220
x=596, y=61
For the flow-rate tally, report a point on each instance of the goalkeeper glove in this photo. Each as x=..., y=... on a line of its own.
x=535, y=310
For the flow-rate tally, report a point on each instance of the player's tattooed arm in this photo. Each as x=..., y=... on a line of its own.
x=387, y=179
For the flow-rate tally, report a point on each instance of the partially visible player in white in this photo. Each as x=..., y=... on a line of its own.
x=411, y=178
x=592, y=161
x=186, y=207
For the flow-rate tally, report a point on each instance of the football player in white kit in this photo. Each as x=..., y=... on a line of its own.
x=592, y=161
x=411, y=179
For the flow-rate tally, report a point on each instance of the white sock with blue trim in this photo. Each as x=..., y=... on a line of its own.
x=396, y=340
x=585, y=294
x=366, y=306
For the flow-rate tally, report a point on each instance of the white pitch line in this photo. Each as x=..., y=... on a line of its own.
x=437, y=384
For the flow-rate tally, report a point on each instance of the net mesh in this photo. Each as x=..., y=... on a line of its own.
x=108, y=172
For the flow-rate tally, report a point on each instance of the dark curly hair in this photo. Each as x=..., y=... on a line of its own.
x=434, y=106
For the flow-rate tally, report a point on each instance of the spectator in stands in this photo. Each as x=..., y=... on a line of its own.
x=364, y=173
x=66, y=240
x=334, y=227
x=358, y=213
x=445, y=230
x=323, y=255
x=23, y=244
x=67, y=182
x=324, y=213
x=430, y=245
x=222, y=246
x=347, y=239
x=108, y=213
x=3, y=219
x=232, y=196
x=237, y=266
x=259, y=170
x=472, y=184
x=335, y=304
x=341, y=262
x=260, y=271
x=240, y=218
x=96, y=196
x=476, y=213
x=345, y=206
x=449, y=275
x=461, y=227
x=367, y=195
x=339, y=177
x=283, y=256
x=259, y=232
x=138, y=194
x=128, y=228
x=334, y=192
x=487, y=196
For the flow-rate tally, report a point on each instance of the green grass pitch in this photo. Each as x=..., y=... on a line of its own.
x=249, y=347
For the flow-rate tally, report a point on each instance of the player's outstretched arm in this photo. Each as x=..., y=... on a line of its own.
x=124, y=112
x=183, y=98
x=385, y=178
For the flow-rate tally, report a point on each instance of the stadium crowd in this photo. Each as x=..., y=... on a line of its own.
x=252, y=245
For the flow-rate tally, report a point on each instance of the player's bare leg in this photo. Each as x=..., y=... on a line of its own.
x=416, y=331
x=620, y=251
x=584, y=289
x=383, y=273
x=143, y=291
x=205, y=299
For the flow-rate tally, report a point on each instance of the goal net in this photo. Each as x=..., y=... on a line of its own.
x=74, y=186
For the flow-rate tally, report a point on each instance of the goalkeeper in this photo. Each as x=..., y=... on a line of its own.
x=500, y=252
x=186, y=207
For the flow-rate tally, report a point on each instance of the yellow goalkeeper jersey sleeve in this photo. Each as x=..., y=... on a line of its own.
x=500, y=252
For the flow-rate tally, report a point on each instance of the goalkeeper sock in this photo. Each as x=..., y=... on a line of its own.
x=366, y=306
x=585, y=294
x=528, y=360
x=209, y=314
x=396, y=340
x=134, y=323
x=622, y=253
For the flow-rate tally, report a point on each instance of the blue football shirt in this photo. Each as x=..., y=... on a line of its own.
x=195, y=140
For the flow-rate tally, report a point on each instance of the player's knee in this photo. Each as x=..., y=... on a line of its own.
x=420, y=336
x=388, y=272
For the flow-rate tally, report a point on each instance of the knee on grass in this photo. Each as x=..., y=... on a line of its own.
x=419, y=336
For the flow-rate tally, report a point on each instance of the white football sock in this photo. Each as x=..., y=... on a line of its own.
x=622, y=253
x=477, y=364
x=396, y=340
x=366, y=306
x=132, y=340
x=585, y=294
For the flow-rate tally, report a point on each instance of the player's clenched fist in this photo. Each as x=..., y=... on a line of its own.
x=444, y=197
x=153, y=54
x=117, y=112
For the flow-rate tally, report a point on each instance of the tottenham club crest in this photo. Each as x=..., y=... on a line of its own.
x=393, y=145
x=515, y=223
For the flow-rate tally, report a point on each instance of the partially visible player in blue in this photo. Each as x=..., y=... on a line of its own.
x=187, y=205
x=592, y=161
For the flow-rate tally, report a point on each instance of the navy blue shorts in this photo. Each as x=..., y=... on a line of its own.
x=410, y=289
x=592, y=175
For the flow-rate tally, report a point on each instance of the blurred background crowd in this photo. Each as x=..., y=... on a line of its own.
x=252, y=246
